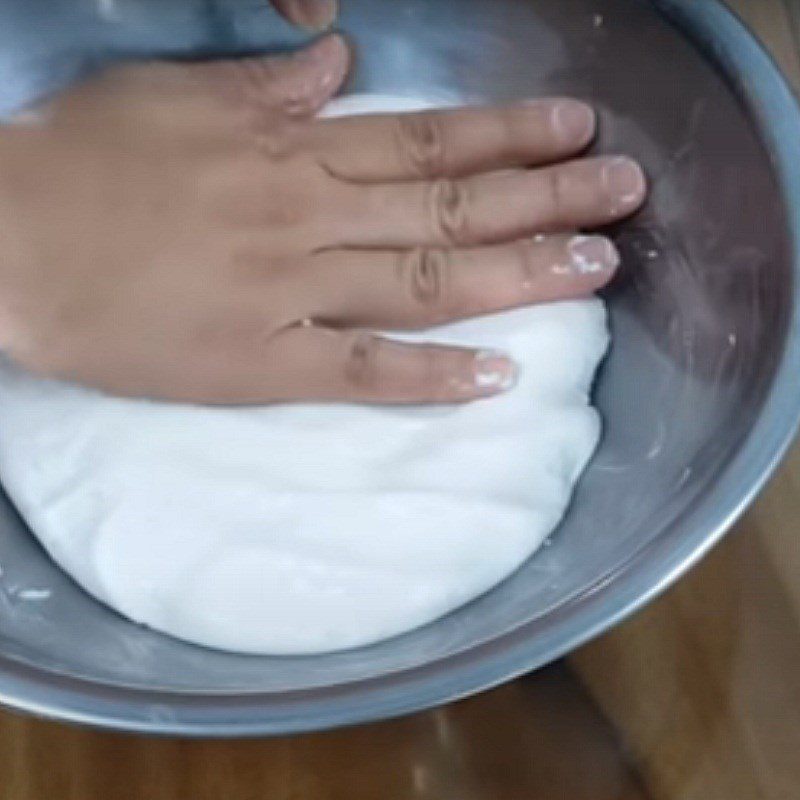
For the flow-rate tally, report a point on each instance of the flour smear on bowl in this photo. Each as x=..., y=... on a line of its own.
x=307, y=529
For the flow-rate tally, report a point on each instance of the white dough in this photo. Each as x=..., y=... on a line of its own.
x=304, y=529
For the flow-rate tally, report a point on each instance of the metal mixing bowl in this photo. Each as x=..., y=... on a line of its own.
x=700, y=395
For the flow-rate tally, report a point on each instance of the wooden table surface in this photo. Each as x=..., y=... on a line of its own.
x=697, y=698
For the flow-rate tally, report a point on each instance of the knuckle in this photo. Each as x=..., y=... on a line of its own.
x=361, y=364
x=425, y=273
x=449, y=206
x=251, y=264
x=231, y=330
x=249, y=87
x=528, y=261
x=274, y=139
x=262, y=84
x=275, y=143
x=298, y=103
x=556, y=190
x=238, y=81
x=286, y=212
x=421, y=145
x=253, y=76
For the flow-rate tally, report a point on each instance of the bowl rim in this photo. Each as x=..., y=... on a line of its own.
x=729, y=44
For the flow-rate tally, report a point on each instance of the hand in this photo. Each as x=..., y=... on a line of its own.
x=314, y=14
x=192, y=232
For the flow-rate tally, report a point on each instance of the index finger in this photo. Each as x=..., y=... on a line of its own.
x=455, y=142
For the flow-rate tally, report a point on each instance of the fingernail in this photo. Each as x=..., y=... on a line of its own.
x=315, y=14
x=573, y=121
x=494, y=372
x=589, y=255
x=625, y=183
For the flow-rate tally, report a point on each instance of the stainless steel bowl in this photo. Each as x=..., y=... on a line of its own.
x=700, y=395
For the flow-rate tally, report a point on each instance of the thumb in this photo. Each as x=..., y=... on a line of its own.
x=296, y=85
x=314, y=14
x=305, y=81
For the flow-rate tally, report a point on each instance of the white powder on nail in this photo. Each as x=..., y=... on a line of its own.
x=304, y=529
x=582, y=264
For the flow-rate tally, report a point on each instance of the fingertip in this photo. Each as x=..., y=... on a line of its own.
x=626, y=184
x=494, y=373
x=323, y=14
x=330, y=52
x=435, y=374
x=329, y=48
x=323, y=68
x=315, y=15
x=564, y=266
x=593, y=255
x=339, y=51
x=574, y=123
x=333, y=58
x=476, y=374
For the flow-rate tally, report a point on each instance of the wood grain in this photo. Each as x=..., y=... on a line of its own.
x=538, y=738
x=772, y=21
x=703, y=687
x=793, y=10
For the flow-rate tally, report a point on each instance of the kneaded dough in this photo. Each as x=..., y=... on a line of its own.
x=305, y=529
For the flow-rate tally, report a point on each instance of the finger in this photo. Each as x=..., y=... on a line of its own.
x=298, y=85
x=492, y=208
x=317, y=364
x=453, y=143
x=429, y=286
x=314, y=14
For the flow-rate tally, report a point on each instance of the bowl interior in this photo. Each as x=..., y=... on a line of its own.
x=699, y=317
